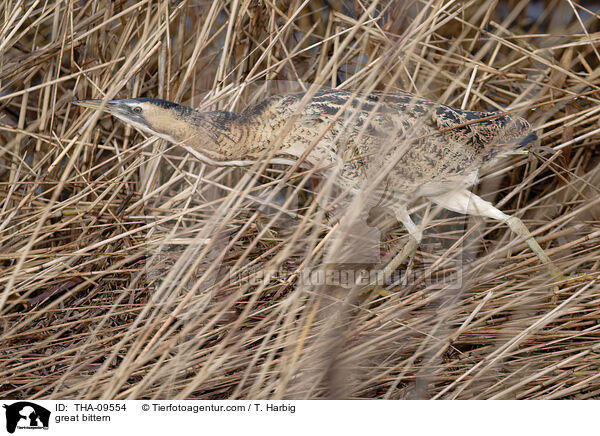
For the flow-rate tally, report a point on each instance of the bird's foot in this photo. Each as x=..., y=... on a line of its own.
x=565, y=280
x=386, y=273
x=562, y=281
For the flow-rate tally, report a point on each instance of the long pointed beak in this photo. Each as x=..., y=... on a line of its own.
x=92, y=104
x=111, y=107
x=117, y=108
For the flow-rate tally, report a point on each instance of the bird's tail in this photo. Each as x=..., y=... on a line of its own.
x=526, y=140
x=508, y=134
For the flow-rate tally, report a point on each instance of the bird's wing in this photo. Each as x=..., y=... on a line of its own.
x=488, y=133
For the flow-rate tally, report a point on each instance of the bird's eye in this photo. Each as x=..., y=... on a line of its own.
x=137, y=110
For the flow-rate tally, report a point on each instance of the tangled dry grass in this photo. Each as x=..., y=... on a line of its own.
x=132, y=270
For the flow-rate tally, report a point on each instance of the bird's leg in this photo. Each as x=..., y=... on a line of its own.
x=414, y=240
x=517, y=226
x=465, y=202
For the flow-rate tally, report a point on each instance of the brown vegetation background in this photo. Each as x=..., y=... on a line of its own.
x=131, y=270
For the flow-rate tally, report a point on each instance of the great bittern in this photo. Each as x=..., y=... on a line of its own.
x=408, y=146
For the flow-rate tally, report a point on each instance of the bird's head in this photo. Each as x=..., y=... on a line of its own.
x=162, y=118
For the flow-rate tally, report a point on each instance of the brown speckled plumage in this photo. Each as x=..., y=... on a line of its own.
x=407, y=146
x=442, y=143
